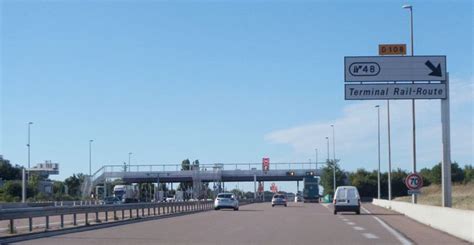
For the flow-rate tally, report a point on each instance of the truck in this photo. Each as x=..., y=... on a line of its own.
x=126, y=193
x=179, y=196
x=159, y=195
x=311, y=189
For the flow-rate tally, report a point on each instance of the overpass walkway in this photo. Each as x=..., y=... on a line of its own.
x=171, y=173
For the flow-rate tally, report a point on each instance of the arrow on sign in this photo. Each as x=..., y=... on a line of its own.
x=435, y=71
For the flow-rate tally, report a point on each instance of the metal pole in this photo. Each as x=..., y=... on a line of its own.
x=446, y=137
x=23, y=185
x=327, y=140
x=297, y=187
x=334, y=157
x=378, y=170
x=255, y=186
x=316, y=159
x=389, y=154
x=129, y=166
x=29, y=144
x=413, y=197
x=333, y=144
x=334, y=176
x=90, y=157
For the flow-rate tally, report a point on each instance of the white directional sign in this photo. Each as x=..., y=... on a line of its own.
x=394, y=68
x=395, y=91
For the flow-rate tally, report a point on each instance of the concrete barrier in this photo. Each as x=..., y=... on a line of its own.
x=457, y=222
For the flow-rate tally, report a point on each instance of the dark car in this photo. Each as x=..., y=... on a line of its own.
x=111, y=200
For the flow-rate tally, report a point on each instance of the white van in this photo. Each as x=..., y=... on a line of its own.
x=346, y=199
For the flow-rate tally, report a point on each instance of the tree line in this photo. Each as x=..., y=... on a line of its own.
x=10, y=188
x=366, y=181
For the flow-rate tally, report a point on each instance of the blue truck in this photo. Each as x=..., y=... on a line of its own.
x=311, y=189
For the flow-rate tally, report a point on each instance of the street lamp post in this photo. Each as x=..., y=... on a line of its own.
x=316, y=159
x=413, y=197
x=29, y=144
x=333, y=168
x=333, y=144
x=129, y=155
x=378, y=144
x=90, y=157
x=334, y=158
x=389, y=153
x=23, y=171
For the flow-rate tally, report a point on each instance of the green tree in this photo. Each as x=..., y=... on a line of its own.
x=11, y=191
x=468, y=174
x=366, y=182
x=195, y=164
x=9, y=172
x=398, y=183
x=434, y=176
x=58, y=187
x=327, y=177
x=426, y=174
x=185, y=165
x=238, y=193
x=74, y=183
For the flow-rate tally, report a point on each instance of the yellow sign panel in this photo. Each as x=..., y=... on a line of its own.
x=392, y=49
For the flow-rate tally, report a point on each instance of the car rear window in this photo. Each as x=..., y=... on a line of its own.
x=345, y=193
x=278, y=196
x=342, y=193
x=224, y=196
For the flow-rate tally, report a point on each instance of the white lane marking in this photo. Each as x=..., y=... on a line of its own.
x=395, y=233
x=358, y=228
x=346, y=220
x=350, y=223
x=370, y=236
x=326, y=205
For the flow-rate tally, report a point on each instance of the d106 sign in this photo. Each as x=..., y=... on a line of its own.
x=395, y=91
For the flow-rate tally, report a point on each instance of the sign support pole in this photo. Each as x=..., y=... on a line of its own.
x=23, y=185
x=255, y=186
x=446, y=164
x=389, y=153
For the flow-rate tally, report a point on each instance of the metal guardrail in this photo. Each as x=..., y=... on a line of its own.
x=153, y=209
x=46, y=212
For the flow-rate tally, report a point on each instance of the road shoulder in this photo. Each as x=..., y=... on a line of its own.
x=413, y=230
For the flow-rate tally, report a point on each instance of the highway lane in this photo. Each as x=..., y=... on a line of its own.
x=261, y=224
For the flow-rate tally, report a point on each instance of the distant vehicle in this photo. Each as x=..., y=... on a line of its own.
x=170, y=199
x=311, y=189
x=279, y=199
x=126, y=193
x=179, y=196
x=111, y=200
x=298, y=198
x=346, y=198
x=159, y=195
x=290, y=196
x=226, y=200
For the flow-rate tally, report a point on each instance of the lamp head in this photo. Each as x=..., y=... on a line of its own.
x=407, y=6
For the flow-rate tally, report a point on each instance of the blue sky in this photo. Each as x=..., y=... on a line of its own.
x=218, y=81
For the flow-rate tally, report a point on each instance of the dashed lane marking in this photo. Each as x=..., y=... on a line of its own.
x=370, y=236
x=358, y=228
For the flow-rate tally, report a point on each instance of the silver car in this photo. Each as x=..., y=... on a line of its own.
x=279, y=199
x=226, y=200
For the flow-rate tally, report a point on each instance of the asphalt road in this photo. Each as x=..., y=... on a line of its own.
x=261, y=224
